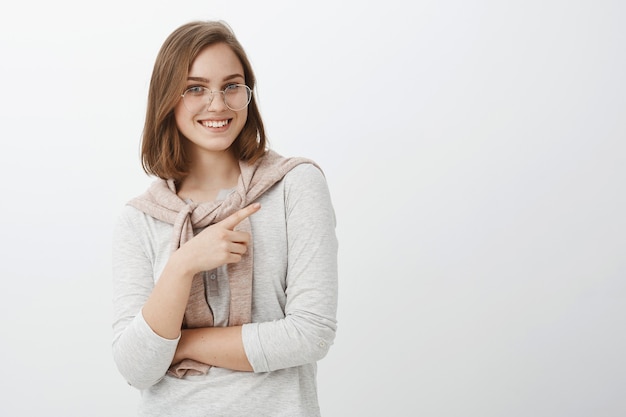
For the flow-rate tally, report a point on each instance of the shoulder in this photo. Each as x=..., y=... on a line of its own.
x=129, y=214
x=128, y=221
x=304, y=175
x=306, y=191
x=306, y=181
x=136, y=221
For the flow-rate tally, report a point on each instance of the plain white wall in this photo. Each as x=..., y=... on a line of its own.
x=476, y=155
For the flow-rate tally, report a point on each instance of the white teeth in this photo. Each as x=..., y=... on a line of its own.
x=215, y=123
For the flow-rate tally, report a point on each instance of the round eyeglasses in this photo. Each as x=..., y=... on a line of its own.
x=236, y=97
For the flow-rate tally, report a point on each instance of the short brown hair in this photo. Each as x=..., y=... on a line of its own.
x=162, y=150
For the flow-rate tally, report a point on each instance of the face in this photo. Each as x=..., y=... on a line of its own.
x=214, y=127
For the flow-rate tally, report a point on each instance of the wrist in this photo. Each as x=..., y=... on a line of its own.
x=180, y=264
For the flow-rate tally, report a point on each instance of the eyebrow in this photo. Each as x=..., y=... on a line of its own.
x=206, y=80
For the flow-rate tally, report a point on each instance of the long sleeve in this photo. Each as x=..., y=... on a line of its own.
x=294, y=286
x=294, y=305
x=141, y=356
x=309, y=325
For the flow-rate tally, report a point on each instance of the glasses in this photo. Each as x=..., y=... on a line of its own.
x=236, y=97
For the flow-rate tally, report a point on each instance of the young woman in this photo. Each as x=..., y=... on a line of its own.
x=225, y=269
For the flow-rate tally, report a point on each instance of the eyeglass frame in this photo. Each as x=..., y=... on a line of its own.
x=212, y=96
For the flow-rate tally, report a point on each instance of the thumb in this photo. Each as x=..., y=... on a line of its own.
x=237, y=217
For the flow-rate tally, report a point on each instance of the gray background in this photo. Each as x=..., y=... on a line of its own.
x=475, y=152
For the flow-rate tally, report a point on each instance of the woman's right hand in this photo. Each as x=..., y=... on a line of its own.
x=218, y=244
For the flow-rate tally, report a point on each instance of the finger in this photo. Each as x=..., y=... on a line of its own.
x=238, y=248
x=239, y=237
x=237, y=217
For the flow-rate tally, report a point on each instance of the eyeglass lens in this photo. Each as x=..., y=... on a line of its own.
x=236, y=97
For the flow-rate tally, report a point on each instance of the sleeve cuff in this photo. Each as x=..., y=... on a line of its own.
x=144, y=329
x=252, y=347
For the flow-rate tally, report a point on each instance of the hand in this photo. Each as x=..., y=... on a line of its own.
x=218, y=244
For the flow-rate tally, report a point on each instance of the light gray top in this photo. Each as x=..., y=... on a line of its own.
x=294, y=305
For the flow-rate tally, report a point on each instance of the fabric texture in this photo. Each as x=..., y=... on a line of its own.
x=294, y=309
x=162, y=202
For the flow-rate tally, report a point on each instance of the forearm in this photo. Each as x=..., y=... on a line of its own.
x=165, y=308
x=216, y=245
x=216, y=346
x=296, y=340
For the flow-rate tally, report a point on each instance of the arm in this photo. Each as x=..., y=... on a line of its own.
x=215, y=246
x=141, y=355
x=308, y=328
x=218, y=346
x=145, y=342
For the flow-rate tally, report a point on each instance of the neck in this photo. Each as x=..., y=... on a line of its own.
x=209, y=174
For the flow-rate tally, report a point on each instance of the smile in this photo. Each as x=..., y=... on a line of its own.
x=214, y=123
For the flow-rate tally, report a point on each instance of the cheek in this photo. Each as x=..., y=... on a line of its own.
x=243, y=117
x=181, y=116
x=179, y=112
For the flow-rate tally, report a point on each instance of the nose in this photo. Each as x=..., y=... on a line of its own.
x=216, y=102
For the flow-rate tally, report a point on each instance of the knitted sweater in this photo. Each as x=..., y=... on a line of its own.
x=294, y=304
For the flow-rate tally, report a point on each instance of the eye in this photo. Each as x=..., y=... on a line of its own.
x=233, y=88
x=195, y=90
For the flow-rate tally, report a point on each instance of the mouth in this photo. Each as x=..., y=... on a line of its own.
x=215, y=123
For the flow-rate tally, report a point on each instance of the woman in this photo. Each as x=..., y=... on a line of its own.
x=225, y=269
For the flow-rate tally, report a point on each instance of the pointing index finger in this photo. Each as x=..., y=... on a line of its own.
x=237, y=217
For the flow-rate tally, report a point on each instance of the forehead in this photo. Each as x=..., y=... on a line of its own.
x=216, y=61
